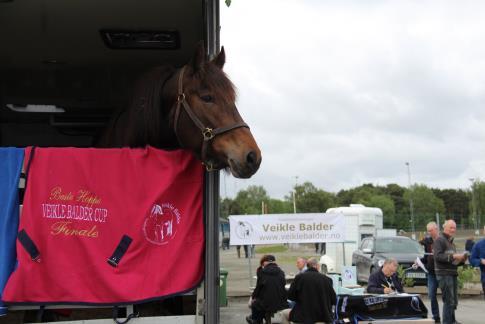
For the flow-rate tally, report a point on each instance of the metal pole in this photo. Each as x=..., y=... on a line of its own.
x=250, y=266
x=411, y=202
x=212, y=247
x=211, y=192
x=474, y=211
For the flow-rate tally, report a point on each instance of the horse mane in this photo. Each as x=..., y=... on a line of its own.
x=148, y=116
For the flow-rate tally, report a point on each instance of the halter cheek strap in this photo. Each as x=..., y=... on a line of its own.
x=208, y=133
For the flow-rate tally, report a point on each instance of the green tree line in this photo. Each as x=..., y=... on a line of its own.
x=466, y=207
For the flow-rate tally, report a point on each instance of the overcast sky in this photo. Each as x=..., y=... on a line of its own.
x=342, y=93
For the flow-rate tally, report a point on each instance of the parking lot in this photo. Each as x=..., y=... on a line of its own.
x=238, y=283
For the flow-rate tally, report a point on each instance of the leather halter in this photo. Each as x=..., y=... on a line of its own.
x=208, y=133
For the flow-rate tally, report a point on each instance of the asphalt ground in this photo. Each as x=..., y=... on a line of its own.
x=470, y=310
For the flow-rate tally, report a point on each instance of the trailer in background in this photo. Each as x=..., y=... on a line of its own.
x=360, y=222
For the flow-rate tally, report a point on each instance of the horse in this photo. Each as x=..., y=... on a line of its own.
x=192, y=107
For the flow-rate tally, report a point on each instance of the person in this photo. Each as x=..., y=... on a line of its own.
x=301, y=264
x=446, y=262
x=314, y=296
x=246, y=251
x=385, y=280
x=269, y=296
x=477, y=259
x=321, y=248
x=428, y=262
x=238, y=249
x=225, y=243
x=470, y=242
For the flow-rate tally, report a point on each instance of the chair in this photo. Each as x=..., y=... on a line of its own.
x=267, y=317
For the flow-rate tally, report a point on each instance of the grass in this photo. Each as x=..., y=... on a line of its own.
x=271, y=249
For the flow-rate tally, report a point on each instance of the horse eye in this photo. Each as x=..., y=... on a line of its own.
x=207, y=98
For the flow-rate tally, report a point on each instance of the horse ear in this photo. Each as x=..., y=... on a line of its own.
x=220, y=59
x=199, y=57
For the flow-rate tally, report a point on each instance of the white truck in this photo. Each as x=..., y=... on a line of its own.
x=360, y=222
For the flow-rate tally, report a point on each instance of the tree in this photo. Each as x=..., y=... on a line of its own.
x=457, y=204
x=478, y=201
x=386, y=204
x=396, y=192
x=277, y=206
x=425, y=204
x=249, y=201
x=309, y=199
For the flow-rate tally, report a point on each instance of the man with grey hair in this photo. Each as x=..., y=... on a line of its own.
x=301, y=264
x=428, y=261
x=385, y=280
x=313, y=295
x=446, y=262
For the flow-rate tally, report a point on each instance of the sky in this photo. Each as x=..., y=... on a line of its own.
x=342, y=93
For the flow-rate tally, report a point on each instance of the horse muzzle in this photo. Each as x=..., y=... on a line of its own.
x=246, y=166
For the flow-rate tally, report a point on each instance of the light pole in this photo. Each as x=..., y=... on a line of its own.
x=411, y=201
x=294, y=195
x=474, y=214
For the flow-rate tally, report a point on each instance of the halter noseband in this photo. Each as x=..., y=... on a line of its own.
x=208, y=133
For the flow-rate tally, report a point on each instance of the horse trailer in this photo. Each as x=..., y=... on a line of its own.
x=360, y=222
x=64, y=68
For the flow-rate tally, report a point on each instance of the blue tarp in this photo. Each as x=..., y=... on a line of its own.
x=11, y=160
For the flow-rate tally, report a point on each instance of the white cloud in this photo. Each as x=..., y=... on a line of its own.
x=341, y=93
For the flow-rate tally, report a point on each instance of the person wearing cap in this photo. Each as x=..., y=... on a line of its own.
x=269, y=296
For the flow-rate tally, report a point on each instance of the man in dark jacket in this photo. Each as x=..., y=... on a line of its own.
x=269, y=296
x=428, y=261
x=385, y=280
x=446, y=262
x=314, y=296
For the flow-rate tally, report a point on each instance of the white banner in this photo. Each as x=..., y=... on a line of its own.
x=286, y=228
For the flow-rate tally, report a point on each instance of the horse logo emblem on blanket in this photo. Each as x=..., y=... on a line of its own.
x=161, y=224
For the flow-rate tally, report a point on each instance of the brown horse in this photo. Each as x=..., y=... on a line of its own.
x=193, y=108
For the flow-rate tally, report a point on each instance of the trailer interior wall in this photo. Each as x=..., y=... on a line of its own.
x=53, y=53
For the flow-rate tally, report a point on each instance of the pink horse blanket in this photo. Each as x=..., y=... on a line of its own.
x=108, y=226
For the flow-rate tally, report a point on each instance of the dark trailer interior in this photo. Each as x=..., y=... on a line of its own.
x=66, y=66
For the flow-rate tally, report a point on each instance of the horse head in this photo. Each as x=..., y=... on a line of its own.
x=205, y=118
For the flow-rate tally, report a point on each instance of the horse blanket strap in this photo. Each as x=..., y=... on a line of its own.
x=120, y=250
x=29, y=245
x=30, y=153
x=110, y=226
x=128, y=318
x=208, y=133
x=11, y=160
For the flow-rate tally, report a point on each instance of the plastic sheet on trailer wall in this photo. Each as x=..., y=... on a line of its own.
x=11, y=160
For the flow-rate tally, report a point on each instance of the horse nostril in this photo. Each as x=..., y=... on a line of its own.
x=251, y=159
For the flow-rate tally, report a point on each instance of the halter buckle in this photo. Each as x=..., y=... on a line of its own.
x=209, y=166
x=181, y=97
x=207, y=134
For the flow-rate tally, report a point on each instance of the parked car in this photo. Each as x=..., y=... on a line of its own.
x=374, y=250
